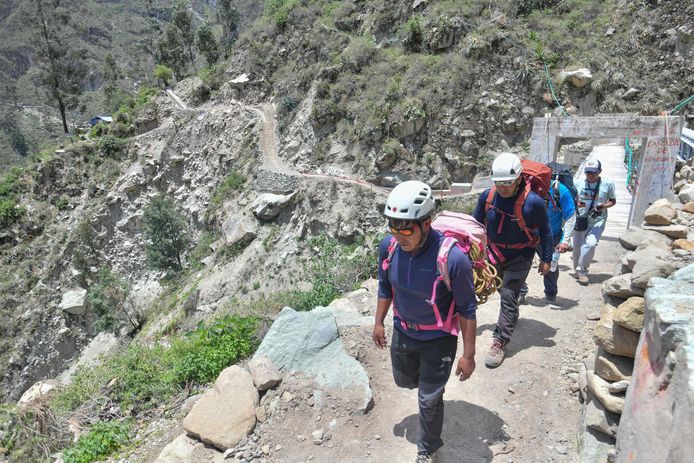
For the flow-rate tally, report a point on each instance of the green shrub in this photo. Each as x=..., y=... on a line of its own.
x=163, y=74
x=166, y=233
x=412, y=35
x=61, y=202
x=98, y=130
x=144, y=95
x=201, y=355
x=279, y=10
x=201, y=250
x=104, y=438
x=107, y=298
x=10, y=212
x=140, y=378
x=111, y=146
x=233, y=182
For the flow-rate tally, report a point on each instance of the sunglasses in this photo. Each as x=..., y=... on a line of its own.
x=592, y=173
x=504, y=182
x=405, y=231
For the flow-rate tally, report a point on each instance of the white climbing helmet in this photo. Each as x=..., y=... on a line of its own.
x=506, y=166
x=411, y=200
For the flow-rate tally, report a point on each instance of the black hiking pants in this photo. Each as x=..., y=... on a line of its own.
x=425, y=365
x=513, y=273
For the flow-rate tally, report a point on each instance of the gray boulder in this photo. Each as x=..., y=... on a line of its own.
x=265, y=374
x=673, y=231
x=578, y=78
x=185, y=449
x=660, y=266
x=73, y=302
x=686, y=194
x=660, y=212
x=658, y=419
x=621, y=287
x=634, y=236
x=308, y=342
x=225, y=413
x=268, y=205
x=600, y=419
x=239, y=230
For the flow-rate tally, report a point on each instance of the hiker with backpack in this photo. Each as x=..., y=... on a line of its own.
x=433, y=297
x=562, y=218
x=595, y=197
x=515, y=215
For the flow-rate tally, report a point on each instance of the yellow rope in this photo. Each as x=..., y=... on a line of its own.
x=485, y=276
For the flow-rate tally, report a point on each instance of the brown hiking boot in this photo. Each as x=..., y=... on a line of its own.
x=496, y=353
x=583, y=279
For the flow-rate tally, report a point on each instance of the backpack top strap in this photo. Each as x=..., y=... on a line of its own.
x=392, y=247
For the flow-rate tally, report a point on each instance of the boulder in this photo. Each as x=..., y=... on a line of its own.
x=686, y=245
x=265, y=374
x=36, y=392
x=102, y=345
x=688, y=208
x=635, y=235
x=621, y=287
x=613, y=367
x=612, y=337
x=686, y=194
x=629, y=314
x=308, y=342
x=73, y=301
x=660, y=212
x=673, y=231
x=601, y=391
x=647, y=252
x=578, y=78
x=239, y=230
x=600, y=419
x=185, y=449
x=659, y=266
x=619, y=386
x=658, y=419
x=268, y=205
x=592, y=445
x=225, y=413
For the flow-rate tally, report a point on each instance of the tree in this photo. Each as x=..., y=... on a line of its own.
x=207, y=44
x=62, y=67
x=182, y=18
x=112, y=75
x=228, y=16
x=166, y=234
x=163, y=74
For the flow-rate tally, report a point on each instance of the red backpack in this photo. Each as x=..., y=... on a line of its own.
x=538, y=178
x=470, y=236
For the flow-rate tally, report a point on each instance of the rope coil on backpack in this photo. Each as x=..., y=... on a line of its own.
x=484, y=274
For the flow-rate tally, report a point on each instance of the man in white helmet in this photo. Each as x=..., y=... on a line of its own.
x=512, y=240
x=422, y=353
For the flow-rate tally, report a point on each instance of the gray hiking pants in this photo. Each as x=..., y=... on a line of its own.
x=513, y=273
x=425, y=365
x=585, y=243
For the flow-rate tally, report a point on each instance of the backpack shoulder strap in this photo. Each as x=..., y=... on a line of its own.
x=518, y=212
x=392, y=247
x=442, y=259
x=489, y=203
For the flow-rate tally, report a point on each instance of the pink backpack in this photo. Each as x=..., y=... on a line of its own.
x=469, y=235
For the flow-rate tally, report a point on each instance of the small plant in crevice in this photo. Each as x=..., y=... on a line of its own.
x=104, y=438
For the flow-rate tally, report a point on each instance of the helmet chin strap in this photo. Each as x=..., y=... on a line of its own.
x=423, y=239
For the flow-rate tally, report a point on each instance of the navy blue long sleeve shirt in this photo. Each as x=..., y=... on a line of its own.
x=410, y=279
x=535, y=215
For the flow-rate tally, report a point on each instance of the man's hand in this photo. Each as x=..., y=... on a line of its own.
x=379, y=336
x=562, y=247
x=465, y=367
x=543, y=268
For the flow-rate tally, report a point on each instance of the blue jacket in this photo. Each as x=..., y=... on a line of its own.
x=535, y=215
x=564, y=210
x=412, y=277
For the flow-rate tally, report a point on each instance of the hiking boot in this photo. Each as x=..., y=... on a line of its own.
x=550, y=298
x=521, y=299
x=496, y=353
x=424, y=457
x=583, y=279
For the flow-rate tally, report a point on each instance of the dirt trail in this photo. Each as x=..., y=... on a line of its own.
x=525, y=411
